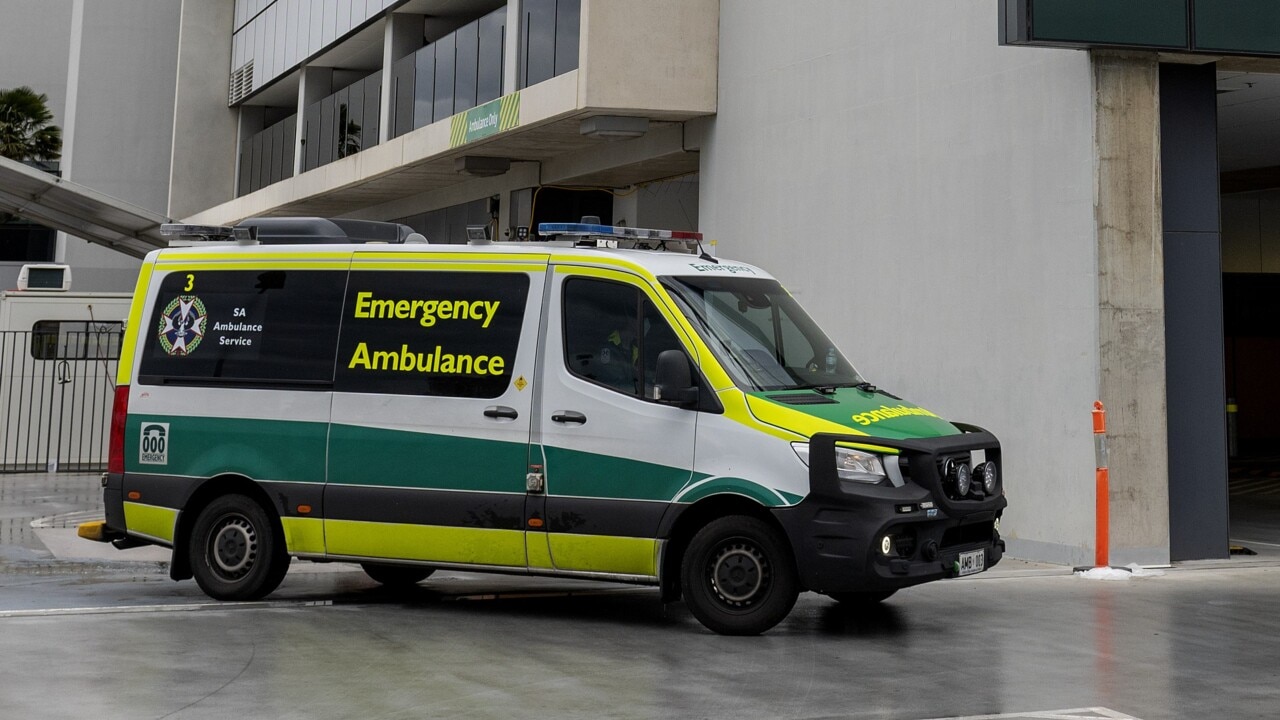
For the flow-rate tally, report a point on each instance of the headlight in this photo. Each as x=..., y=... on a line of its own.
x=960, y=476
x=855, y=465
x=989, y=476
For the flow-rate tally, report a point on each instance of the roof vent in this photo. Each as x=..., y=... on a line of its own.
x=241, y=83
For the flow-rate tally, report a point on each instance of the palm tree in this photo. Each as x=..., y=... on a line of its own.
x=26, y=130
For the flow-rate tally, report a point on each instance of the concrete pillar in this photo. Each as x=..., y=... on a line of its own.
x=205, y=130
x=401, y=35
x=511, y=54
x=314, y=85
x=1131, y=314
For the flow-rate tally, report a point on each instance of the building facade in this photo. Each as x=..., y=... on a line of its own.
x=108, y=70
x=1003, y=211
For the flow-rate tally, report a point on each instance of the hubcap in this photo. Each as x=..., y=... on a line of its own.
x=234, y=547
x=738, y=574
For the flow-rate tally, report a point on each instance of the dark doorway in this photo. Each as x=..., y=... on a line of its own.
x=1251, y=315
x=566, y=205
x=21, y=241
x=1249, y=152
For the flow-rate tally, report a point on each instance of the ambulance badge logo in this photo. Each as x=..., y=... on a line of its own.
x=182, y=325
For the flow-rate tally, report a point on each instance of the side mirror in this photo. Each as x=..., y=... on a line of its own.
x=674, y=382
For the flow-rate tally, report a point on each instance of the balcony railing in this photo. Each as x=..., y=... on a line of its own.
x=267, y=157
x=451, y=75
x=342, y=124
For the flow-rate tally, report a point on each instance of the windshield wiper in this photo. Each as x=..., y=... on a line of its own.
x=864, y=386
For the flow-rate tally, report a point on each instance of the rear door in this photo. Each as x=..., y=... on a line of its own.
x=428, y=446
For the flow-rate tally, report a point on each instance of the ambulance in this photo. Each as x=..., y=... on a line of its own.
x=603, y=403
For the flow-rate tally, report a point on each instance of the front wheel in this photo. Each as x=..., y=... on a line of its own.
x=235, y=552
x=738, y=576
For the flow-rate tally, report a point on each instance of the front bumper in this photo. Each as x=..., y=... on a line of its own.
x=838, y=532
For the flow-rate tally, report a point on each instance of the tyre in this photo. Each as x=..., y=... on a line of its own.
x=738, y=576
x=236, y=551
x=863, y=598
x=396, y=575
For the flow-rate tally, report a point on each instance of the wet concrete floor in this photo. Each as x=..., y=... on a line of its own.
x=82, y=635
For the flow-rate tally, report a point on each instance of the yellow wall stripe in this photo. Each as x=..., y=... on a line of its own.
x=509, y=112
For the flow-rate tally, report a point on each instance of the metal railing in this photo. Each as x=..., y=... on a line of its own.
x=56, y=392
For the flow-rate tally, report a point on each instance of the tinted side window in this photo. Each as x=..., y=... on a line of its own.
x=613, y=335
x=245, y=326
x=75, y=340
x=431, y=332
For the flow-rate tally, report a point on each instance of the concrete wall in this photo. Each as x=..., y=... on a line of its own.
x=123, y=124
x=112, y=94
x=928, y=196
x=34, y=52
x=670, y=65
x=671, y=205
x=33, y=49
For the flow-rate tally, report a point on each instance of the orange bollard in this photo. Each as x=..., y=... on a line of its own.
x=1102, y=520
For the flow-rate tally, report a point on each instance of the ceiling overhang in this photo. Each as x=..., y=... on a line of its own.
x=77, y=210
x=550, y=136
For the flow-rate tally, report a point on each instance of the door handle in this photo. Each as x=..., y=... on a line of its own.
x=501, y=412
x=568, y=416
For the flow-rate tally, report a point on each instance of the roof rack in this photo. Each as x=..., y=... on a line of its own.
x=293, y=231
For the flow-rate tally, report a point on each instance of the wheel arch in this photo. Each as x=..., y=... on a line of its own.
x=205, y=493
x=681, y=527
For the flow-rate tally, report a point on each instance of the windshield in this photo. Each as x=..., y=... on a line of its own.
x=761, y=335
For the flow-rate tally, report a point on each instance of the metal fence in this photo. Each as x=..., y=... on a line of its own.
x=56, y=391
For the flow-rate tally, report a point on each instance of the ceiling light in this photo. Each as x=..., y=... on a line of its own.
x=614, y=126
x=481, y=166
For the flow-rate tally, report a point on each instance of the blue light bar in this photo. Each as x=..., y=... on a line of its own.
x=618, y=231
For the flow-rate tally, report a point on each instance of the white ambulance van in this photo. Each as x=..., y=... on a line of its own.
x=58, y=349
x=606, y=403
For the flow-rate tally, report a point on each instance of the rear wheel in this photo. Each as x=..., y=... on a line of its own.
x=396, y=575
x=235, y=551
x=738, y=576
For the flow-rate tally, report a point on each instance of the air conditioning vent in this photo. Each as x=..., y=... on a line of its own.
x=241, y=83
x=802, y=399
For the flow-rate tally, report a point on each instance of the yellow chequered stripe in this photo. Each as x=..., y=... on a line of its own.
x=458, y=130
x=150, y=520
x=509, y=112
x=124, y=368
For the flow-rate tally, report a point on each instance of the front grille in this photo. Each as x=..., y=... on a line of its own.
x=977, y=533
x=905, y=544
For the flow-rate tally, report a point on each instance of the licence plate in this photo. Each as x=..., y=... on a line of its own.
x=974, y=561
